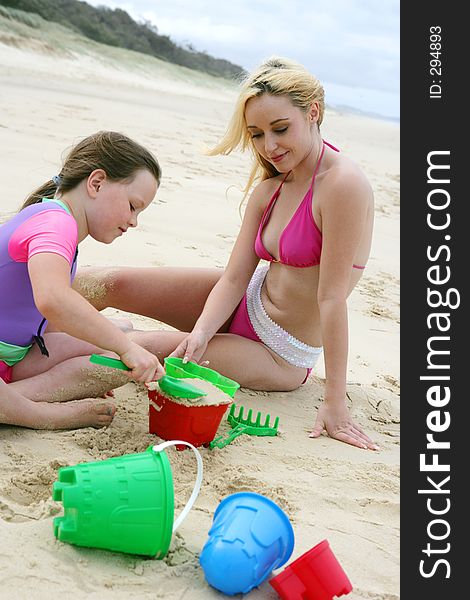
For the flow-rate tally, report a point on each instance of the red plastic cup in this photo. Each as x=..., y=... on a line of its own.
x=172, y=420
x=316, y=575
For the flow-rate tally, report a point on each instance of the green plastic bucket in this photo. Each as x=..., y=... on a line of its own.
x=125, y=503
x=177, y=368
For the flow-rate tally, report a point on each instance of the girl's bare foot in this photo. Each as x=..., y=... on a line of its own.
x=83, y=413
x=16, y=409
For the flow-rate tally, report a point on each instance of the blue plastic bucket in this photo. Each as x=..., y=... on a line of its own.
x=249, y=538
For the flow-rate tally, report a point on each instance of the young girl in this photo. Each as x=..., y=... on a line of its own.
x=310, y=219
x=106, y=181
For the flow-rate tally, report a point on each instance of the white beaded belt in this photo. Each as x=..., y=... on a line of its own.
x=273, y=335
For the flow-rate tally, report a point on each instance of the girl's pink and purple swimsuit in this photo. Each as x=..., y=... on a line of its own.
x=47, y=226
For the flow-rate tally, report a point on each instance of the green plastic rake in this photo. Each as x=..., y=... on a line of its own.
x=240, y=425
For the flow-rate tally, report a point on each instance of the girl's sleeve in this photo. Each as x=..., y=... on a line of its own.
x=49, y=231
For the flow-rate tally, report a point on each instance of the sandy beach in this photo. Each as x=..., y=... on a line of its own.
x=56, y=89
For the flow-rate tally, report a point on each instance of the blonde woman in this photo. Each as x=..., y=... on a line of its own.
x=310, y=218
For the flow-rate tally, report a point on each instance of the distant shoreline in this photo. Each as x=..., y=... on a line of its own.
x=363, y=113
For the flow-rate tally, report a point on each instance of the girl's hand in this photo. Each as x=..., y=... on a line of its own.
x=193, y=346
x=144, y=365
x=334, y=417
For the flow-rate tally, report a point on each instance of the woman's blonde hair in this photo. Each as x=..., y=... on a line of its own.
x=276, y=76
x=118, y=155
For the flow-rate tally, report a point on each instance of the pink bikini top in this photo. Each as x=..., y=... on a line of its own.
x=300, y=242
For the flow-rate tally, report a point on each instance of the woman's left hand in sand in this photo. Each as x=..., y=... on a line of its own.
x=334, y=417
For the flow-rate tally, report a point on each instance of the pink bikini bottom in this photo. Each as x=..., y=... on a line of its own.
x=5, y=372
x=241, y=325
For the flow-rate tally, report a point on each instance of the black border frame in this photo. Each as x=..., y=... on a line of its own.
x=431, y=123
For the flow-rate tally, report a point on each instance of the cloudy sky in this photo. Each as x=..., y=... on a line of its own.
x=352, y=46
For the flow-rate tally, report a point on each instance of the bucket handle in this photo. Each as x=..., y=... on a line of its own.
x=197, y=486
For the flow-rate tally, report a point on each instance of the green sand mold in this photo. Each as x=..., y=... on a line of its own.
x=124, y=504
x=177, y=368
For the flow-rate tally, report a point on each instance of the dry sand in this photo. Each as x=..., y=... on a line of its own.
x=54, y=89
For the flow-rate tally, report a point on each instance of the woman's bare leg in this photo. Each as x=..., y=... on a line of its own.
x=172, y=295
x=16, y=409
x=176, y=296
x=249, y=363
x=252, y=364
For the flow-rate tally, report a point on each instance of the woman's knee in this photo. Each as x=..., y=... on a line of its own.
x=277, y=378
x=289, y=378
x=125, y=325
x=96, y=284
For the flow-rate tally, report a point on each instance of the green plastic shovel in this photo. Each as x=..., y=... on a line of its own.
x=170, y=385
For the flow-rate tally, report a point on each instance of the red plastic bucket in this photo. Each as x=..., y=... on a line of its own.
x=316, y=575
x=194, y=424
